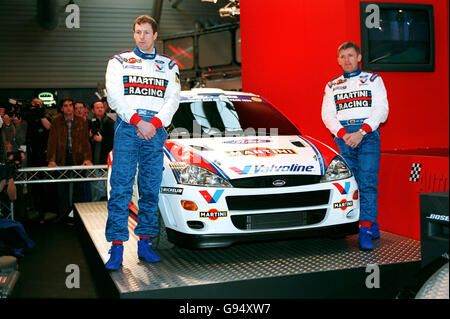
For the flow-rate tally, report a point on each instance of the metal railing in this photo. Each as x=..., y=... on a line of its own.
x=59, y=174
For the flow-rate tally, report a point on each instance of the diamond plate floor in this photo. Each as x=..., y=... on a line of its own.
x=437, y=286
x=181, y=267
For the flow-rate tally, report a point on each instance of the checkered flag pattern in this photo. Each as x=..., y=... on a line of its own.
x=415, y=172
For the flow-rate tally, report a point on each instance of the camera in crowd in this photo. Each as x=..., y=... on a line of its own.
x=24, y=110
x=13, y=163
x=14, y=159
x=8, y=172
x=95, y=126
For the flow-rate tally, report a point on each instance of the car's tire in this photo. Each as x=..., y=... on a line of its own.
x=161, y=241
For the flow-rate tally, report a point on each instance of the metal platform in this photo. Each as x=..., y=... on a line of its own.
x=437, y=286
x=298, y=268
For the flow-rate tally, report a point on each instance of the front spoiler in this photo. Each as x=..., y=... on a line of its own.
x=192, y=241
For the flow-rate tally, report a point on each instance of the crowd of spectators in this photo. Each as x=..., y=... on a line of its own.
x=34, y=135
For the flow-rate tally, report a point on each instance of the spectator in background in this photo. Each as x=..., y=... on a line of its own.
x=37, y=134
x=7, y=172
x=2, y=152
x=2, y=142
x=8, y=132
x=19, y=155
x=39, y=124
x=101, y=132
x=87, y=112
x=68, y=145
x=21, y=128
x=80, y=109
x=108, y=111
x=106, y=105
x=19, y=141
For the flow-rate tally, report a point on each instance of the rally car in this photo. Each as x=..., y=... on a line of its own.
x=236, y=169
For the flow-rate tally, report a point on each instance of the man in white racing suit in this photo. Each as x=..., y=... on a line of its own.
x=143, y=87
x=354, y=105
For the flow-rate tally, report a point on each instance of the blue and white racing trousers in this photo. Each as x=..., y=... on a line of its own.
x=364, y=161
x=129, y=151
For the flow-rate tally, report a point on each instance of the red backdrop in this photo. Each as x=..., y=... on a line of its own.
x=289, y=54
x=289, y=49
x=399, y=197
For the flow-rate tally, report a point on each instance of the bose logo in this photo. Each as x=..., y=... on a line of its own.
x=442, y=218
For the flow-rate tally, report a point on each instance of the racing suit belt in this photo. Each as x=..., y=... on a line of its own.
x=144, y=112
x=352, y=122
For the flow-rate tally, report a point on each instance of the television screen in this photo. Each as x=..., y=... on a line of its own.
x=215, y=49
x=398, y=37
x=182, y=51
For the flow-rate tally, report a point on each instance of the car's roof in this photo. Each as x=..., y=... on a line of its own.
x=212, y=91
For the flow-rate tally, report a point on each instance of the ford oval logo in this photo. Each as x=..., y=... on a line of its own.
x=278, y=182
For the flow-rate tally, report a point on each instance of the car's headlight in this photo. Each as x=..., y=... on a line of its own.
x=337, y=169
x=189, y=174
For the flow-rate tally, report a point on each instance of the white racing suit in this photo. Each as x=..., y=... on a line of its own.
x=354, y=101
x=145, y=87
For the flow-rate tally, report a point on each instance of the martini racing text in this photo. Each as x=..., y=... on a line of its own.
x=148, y=86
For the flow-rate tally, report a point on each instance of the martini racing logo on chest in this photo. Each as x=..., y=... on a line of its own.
x=349, y=100
x=144, y=86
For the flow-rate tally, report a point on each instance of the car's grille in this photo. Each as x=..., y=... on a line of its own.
x=274, y=201
x=275, y=181
x=278, y=220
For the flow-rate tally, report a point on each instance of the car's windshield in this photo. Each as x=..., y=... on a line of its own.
x=225, y=115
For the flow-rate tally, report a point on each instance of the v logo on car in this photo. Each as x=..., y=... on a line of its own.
x=212, y=199
x=343, y=190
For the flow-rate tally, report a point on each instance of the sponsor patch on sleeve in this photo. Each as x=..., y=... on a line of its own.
x=172, y=63
x=373, y=77
x=118, y=58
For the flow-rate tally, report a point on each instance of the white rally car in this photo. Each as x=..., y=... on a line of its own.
x=235, y=169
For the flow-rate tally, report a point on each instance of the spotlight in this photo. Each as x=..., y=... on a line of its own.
x=230, y=10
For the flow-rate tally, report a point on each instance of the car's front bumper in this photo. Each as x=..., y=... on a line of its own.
x=224, y=240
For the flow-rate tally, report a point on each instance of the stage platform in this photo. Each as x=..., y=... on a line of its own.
x=297, y=268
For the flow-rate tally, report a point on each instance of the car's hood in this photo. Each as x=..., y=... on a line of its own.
x=238, y=157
